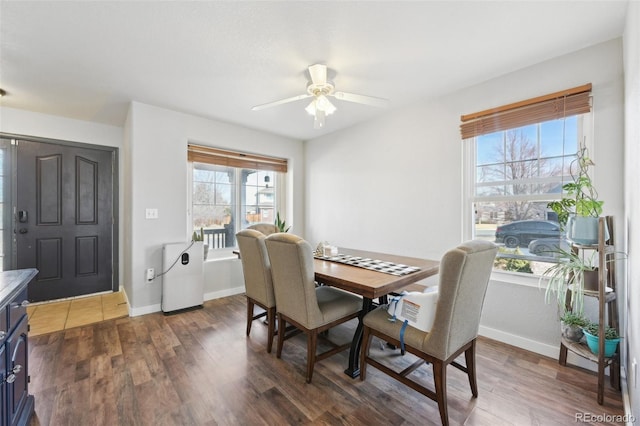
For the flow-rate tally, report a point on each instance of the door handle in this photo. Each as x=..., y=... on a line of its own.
x=23, y=230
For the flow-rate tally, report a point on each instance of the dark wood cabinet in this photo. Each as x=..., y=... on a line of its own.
x=16, y=404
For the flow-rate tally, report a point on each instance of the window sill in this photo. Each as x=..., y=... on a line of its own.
x=516, y=278
x=221, y=255
x=220, y=259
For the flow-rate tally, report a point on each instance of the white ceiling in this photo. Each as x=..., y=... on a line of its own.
x=217, y=59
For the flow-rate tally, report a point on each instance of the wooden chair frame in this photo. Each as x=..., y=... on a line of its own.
x=312, y=340
x=439, y=369
x=270, y=313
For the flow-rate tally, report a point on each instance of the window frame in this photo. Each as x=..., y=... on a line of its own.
x=585, y=133
x=228, y=252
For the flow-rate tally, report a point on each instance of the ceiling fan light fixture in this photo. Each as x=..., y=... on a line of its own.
x=311, y=108
x=323, y=104
x=318, y=121
x=320, y=89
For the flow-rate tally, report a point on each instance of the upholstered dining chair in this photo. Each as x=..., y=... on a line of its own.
x=265, y=228
x=299, y=302
x=257, y=280
x=464, y=276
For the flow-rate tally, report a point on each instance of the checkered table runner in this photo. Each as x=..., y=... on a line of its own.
x=372, y=264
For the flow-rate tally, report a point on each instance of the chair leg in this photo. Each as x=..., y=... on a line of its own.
x=312, y=342
x=249, y=315
x=282, y=325
x=364, y=352
x=271, y=327
x=440, y=380
x=470, y=358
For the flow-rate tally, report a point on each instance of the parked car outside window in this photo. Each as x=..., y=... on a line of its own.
x=521, y=232
x=550, y=247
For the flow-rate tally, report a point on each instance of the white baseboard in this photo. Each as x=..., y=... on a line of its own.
x=520, y=342
x=223, y=293
x=144, y=310
x=149, y=309
x=552, y=351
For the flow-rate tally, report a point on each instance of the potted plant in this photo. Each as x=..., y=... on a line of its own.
x=569, y=275
x=281, y=224
x=571, y=325
x=197, y=237
x=579, y=209
x=611, y=339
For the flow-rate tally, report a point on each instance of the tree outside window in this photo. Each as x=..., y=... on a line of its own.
x=517, y=172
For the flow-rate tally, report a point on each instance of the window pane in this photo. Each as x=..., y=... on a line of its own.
x=487, y=146
x=517, y=172
x=212, y=202
x=521, y=143
x=227, y=199
x=225, y=176
x=223, y=193
x=491, y=173
x=259, y=197
x=251, y=195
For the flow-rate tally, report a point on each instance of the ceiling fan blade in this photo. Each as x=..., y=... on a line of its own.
x=318, y=74
x=280, y=102
x=362, y=99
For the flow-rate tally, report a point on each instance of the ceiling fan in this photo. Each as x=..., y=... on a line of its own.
x=320, y=89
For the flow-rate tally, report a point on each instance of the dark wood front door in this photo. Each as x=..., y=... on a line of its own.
x=64, y=219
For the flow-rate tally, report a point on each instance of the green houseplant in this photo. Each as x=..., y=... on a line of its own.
x=199, y=236
x=569, y=275
x=281, y=224
x=611, y=339
x=579, y=209
x=571, y=325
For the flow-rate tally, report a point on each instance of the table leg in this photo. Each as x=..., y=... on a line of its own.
x=353, y=370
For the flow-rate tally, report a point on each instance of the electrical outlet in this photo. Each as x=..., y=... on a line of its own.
x=151, y=274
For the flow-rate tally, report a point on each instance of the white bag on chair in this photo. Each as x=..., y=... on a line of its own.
x=418, y=309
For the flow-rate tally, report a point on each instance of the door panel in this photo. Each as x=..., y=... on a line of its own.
x=87, y=191
x=48, y=190
x=49, y=258
x=67, y=194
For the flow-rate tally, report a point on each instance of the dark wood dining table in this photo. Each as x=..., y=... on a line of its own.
x=369, y=284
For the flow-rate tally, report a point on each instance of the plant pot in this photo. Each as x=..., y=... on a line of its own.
x=570, y=332
x=584, y=230
x=590, y=280
x=610, y=345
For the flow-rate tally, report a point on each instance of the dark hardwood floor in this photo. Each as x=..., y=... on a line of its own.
x=199, y=368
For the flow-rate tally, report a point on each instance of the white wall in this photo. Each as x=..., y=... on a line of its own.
x=395, y=184
x=632, y=199
x=156, y=175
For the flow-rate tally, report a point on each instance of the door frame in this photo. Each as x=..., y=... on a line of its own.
x=115, y=226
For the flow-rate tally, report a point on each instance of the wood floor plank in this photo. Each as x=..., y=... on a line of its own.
x=199, y=368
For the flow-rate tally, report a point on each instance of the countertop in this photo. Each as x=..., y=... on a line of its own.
x=13, y=282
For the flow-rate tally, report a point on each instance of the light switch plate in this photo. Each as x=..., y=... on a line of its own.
x=151, y=214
